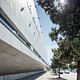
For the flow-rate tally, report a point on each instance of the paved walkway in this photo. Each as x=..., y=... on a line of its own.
x=51, y=76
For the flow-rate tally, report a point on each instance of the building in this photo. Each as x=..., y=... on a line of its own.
x=22, y=47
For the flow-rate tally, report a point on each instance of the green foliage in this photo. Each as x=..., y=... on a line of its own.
x=73, y=66
x=55, y=63
x=68, y=18
x=64, y=66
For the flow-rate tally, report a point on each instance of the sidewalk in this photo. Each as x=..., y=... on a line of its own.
x=51, y=76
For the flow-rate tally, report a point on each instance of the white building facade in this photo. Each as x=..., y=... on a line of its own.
x=22, y=47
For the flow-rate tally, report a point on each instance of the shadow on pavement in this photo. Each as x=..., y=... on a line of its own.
x=33, y=77
x=57, y=79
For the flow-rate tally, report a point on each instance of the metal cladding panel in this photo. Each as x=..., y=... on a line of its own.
x=23, y=14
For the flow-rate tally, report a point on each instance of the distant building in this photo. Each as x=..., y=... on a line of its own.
x=22, y=47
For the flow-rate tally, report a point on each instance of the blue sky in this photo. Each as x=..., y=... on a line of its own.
x=46, y=25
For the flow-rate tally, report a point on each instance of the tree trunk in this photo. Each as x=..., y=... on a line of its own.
x=78, y=70
x=59, y=73
x=71, y=69
x=55, y=70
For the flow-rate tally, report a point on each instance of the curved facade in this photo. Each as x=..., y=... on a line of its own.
x=22, y=47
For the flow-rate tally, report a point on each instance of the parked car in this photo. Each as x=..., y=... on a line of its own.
x=66, y=71
x=61, y=71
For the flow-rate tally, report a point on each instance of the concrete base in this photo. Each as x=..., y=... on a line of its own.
x=15, y=57
x=18, y=76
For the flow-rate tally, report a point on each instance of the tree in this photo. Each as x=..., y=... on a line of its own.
x=73, y=66
x=68, y=18
x=56, y=64
x=64, y=66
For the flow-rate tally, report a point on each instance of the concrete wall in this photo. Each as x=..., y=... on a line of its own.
x=15, y=56
x=18, y=76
